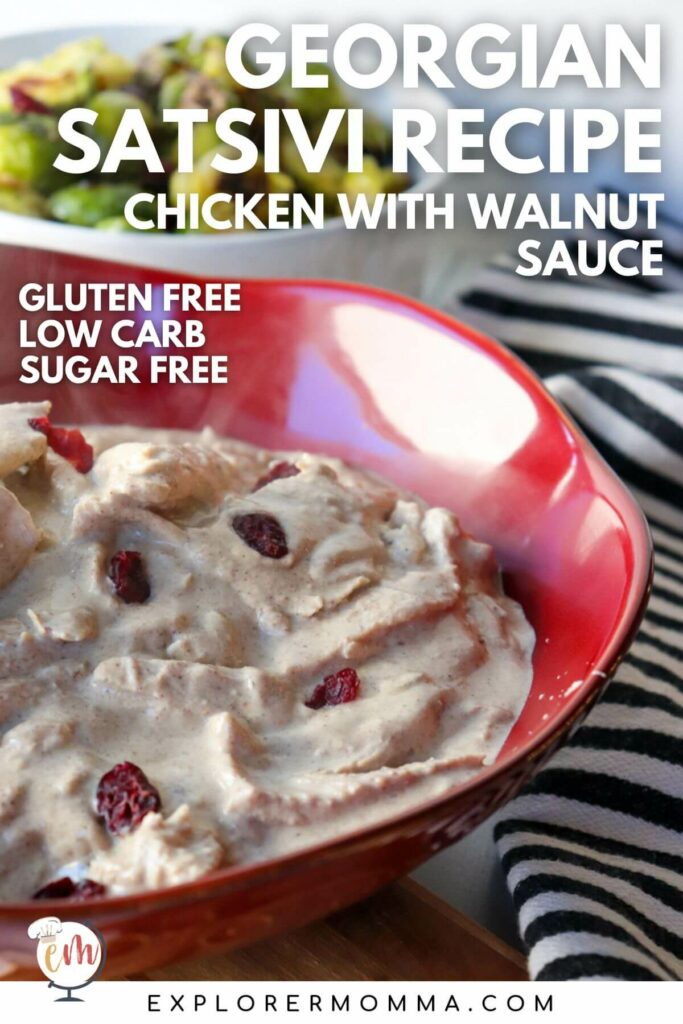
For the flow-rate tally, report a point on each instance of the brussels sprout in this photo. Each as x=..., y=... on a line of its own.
x=161, y=60
x=327, y=181
x=256, y=181
x=185, y=72
x=109, y=107
x=88, y=205
x=192, y=89
x=372, y=180
x=29, y=146
x=61, y=90
x=394, y=181
x=206, y=94
x=312, y=102
x=204, y=180
x=376, y=135
x=112, y=71
x=171, y=90
x=204, y=139
x=117, y=222
x=68, y=76
x=280, y=182
x=367, y=182
x=24, y=201
x=208, y=57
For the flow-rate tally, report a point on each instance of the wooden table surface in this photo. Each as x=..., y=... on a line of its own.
x=403, y=933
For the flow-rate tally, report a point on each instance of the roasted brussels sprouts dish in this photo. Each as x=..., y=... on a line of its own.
x=187, y=72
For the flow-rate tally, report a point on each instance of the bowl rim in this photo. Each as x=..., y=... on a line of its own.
x=426, y=182
x=239, y=877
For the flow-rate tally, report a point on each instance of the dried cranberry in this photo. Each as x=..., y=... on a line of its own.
x=24, y=103
x=262, y=533
x=87, y=889
x=280, y=471
x=124, y=796
x=70, y=444
x=129, y=576
x=339, y=688
x=66, y=889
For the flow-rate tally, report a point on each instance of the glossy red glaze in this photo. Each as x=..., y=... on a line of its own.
x=432, y=405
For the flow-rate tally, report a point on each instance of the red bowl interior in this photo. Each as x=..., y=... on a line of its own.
x=431, y=405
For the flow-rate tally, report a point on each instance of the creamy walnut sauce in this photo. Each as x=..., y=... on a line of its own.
x=285, y=647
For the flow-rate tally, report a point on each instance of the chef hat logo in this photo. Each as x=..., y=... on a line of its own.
x=71, y=954
x=44, y=928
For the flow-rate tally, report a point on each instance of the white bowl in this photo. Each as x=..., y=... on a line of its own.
x=403, y=260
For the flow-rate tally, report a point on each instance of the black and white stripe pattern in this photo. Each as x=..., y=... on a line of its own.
x=593, y=848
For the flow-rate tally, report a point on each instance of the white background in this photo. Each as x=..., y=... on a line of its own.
x=110, y=1002
x=467, y=875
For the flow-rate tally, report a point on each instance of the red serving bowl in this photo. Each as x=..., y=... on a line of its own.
x=433, y=406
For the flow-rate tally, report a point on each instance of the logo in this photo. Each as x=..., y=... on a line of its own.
x=69, y=954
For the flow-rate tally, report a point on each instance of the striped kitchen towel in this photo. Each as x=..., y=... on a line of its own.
x=593, y=848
